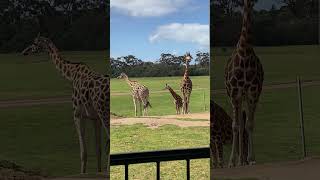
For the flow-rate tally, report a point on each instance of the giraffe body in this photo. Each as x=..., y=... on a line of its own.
x=90, y=97
x=221, y=134
x=177, y=100
x=244, y=77
x=186, y=85
x=140, y=94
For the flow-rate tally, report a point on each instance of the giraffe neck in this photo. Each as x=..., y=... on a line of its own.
x=245, y=36
x=63, y=66
x=186, y=71
x=174, y=94
x=129, y=82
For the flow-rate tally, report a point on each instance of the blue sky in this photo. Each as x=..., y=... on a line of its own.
x=147, y=28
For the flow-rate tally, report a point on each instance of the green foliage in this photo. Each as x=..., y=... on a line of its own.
x=292, y=24
x=72, y=25
x=167, y=65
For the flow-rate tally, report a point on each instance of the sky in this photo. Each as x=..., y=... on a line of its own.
x=147, y=28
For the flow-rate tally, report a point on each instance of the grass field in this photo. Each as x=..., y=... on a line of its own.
x=35, y=76
x=44, y=136
x=161, y=100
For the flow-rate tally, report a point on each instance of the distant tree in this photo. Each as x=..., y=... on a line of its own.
x=170, y=59
x=130, y=60
x=202, y=59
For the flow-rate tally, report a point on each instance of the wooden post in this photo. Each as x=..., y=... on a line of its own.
x=301, y=117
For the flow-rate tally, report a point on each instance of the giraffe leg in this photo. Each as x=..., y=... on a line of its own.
x=80, y=126
x=105, y=119
x=220, y=152
x=214, y=159
x=141, y=110
x=135, y=106
x=187, y=104
x=235, y=133
x=97, y=125
x=249, y=130
x=184, y=104
x=241, y=140
x=102, y=108
x=177, y=108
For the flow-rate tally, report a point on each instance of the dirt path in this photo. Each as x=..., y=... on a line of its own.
x=189, y=120
x=25, y=102
x=294, y=170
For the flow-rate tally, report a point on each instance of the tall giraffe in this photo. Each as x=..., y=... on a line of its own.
x=244, y=77
x=91, y=98
x=221, y=134
x=177, y=100
x=186, y=84
x=140, y=94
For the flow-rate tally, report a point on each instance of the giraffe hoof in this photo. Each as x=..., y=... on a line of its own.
x=251, y=163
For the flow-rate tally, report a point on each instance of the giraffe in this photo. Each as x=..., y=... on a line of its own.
x=221, y=134
x=140, y=94
x=244, y=77
x=177, y=100
x=90, y=98
x=186, y=84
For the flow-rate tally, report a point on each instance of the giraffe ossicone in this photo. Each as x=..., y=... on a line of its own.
x=90, y=98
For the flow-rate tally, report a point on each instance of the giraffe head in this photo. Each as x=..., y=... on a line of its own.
x=122, y=76
x=187, y=57
x=38, y=45
x=166, y=87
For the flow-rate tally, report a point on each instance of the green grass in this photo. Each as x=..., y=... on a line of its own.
x=277, y=125
x=162, y=102
x=44, y=137
x=139, y=138
x=36, y=76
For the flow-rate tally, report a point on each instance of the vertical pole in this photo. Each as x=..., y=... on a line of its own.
x=158, y=170
x=204, y=101
x=188, y=169
x=126, y=172
x=301, y=118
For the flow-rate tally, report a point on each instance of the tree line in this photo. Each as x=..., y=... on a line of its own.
x=289, y=22
x=72, y=25
x=167, y=65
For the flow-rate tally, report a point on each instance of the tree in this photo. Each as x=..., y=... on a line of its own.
x=202, y=59
x=302, y=8
x=170, y=59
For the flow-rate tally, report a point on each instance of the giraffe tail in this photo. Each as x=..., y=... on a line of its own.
x=148, y=104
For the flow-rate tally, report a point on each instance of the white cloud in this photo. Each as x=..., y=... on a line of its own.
x=187, y=33
x=147, y=7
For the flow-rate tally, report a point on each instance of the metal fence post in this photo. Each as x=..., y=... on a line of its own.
x=158, y=170
x=188, y=169
x=126, y=171
x=301, y=117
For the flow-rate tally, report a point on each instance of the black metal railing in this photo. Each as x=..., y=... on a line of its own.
x=159, y=156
